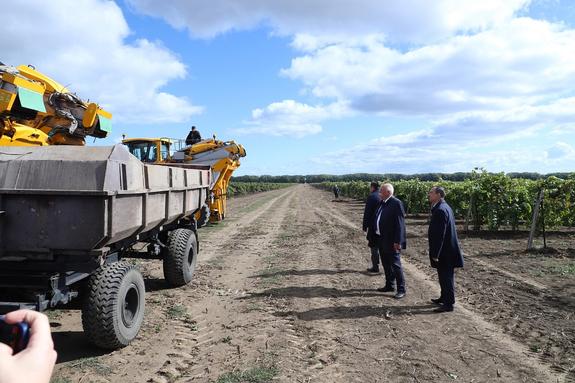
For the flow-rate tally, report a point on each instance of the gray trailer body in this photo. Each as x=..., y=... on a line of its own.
x=67, y=213
x=78, y=200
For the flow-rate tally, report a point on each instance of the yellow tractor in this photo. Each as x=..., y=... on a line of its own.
x=36, y=111
x=222, y=156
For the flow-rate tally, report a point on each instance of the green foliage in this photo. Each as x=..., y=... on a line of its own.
x=240, y=188
x=493, y=200
x=260, y=374
x=366, y=177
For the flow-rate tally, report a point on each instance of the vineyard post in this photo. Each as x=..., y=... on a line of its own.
x=535, y=218
x=468, y=217
x=543, y=222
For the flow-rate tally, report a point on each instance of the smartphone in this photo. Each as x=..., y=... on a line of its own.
x=14, y=335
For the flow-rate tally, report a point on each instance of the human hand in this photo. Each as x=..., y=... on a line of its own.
x=36, y=362
x=397, y=247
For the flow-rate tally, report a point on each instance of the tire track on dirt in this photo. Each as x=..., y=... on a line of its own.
x=320, y=345
x=201, y=350
x=527, y=314
x=506, y=346
x=220, y=237
x=328, y=312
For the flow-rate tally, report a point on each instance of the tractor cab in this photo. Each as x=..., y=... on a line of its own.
x=150, y=150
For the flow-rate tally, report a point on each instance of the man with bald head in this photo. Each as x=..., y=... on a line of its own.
x=389, y=229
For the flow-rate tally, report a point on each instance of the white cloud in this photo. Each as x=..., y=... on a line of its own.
x=291, y=118
x=561, y=151
x=385, y=155
x=405, y=21
x=85, y=45
x=481, y=77
x=522, y=62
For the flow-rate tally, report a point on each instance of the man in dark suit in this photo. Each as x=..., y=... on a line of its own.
x=444, y=251
x=371, y=206
x=389, y=229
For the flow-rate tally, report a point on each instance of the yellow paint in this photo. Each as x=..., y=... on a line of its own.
x=225, y=166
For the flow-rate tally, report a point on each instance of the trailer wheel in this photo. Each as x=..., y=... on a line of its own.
x=113, y=309
x=180, y=257
x=203, y=218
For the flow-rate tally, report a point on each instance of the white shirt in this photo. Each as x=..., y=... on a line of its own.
x=379, y=215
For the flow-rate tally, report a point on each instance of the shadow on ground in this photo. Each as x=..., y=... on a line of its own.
x=315, y=292
x=154, y=284
x=73, y=345
x=357, y=312
x=310, y=272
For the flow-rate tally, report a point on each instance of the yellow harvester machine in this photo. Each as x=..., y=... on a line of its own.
x=36, y=111
x=222, y=156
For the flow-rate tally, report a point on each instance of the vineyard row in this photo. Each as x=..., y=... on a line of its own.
x=492, y=201
x=241, y=188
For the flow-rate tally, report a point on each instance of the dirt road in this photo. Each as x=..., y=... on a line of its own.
x=280, y=293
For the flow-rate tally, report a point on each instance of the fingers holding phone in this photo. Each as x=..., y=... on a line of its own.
x=35, y=362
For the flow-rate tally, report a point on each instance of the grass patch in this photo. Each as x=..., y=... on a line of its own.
x=177, y=311
x=260, y=374
x=257, y=204
x=180, y=312
x=552, y=267
x=60, y=379
x=213, y=227
x=217, y=262
x=93, y=364
x=53, y=315
x=563, y=270
x=271, y=277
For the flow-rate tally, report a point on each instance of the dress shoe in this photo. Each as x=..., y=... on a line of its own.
x=386, y=289
x=399, y=295
x=443, y=309
x=437, y=301
x=373, y=270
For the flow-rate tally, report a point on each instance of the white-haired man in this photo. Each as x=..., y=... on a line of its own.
x=389, y=229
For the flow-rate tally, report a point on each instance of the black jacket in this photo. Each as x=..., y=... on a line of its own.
x=442, y=237
x=391, y=224
x=193, y=137
x=371, y=206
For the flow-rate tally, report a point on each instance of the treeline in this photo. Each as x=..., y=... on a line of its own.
x=239, y=188
x=366, y=177
x=491, y=201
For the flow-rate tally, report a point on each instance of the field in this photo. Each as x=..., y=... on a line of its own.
x=281, y=294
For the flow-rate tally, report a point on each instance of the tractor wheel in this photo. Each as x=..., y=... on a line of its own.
x=180, y=257
x=114, y=303
x=203, y=218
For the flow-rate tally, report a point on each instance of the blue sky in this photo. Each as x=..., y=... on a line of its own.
x=322, y=86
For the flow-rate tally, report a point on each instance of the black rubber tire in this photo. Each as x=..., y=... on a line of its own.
x=180, y=257
x=114, y=305
x=204, y=218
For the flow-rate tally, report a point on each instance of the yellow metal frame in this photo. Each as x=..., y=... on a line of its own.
x=40, y=129
x=217, y=202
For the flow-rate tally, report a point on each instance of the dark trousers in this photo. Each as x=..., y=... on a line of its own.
x=374, y=257
x=447, y=284
x=392, y=268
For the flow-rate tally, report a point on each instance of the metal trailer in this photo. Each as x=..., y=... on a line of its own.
x=69, y=215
